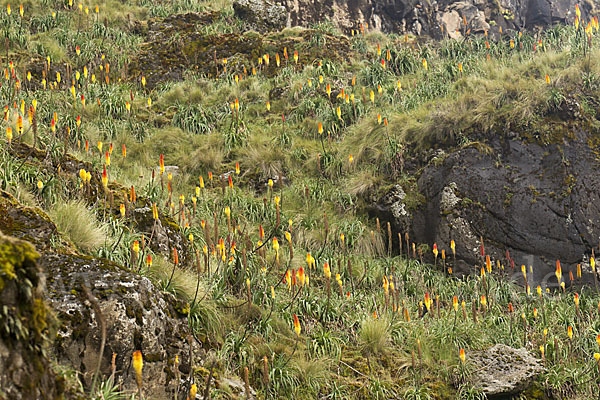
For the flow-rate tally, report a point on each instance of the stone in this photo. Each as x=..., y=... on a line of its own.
x=261, y=15
x=503, y=371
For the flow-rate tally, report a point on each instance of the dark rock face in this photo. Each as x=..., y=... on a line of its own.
x=427, y=18
x=538, y=201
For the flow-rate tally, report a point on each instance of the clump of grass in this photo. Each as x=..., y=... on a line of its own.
x=78, y=224
x=374, y=335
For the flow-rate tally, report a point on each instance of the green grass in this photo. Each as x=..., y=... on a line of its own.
x=191, y=125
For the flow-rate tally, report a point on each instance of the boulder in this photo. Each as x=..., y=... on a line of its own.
x=502, y=371
x=261, y=15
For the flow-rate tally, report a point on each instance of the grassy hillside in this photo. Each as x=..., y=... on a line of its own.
x=276, y=160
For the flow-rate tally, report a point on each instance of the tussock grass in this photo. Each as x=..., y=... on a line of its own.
x=79, y=224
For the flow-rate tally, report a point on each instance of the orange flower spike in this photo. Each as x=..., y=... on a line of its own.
x=455, y=303
x=175, y=256
x=149, y=261
x=576, y=300
x=598, y=340
x=461, y=355
x=570, y=332
x=483, y=301
x=296, y=325
x=320, y=128
x=230, y=182
x=124, y=151
x=488, y=264
x=328, y=90
x=453, y=247
x=435, y=251
x=558, y=272
x=327, y=270
x=162, y=164
x=107, y=159
x=427, y=301
x=547, y=79
x=425, y=64
x=296, y=56
x=301, y=276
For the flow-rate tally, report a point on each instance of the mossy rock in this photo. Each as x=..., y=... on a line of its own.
x=24, y=325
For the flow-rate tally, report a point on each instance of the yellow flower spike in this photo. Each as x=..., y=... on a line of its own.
x=570, y=332
x=339, y=113
x=149, y=102
x=193, y=391
x=372, y=97
x=138, y=364
x=288, y=237
x=9, y=134
x=122, y=210
x=539, y=291
x=427, y=301
x=154, y=211
x=277, y=199
x=547, y=79
x=378, y=119
x=597, y=357
x=483, y=301
x=320, y=128
x=461, y=355
x=82, y=174
x=425, y=64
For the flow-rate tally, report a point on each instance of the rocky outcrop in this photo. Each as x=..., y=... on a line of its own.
x=94, y=300
x=212, y=54
x=261, y=15
x=427, y=18
x=533, y=203
x=502, y=371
